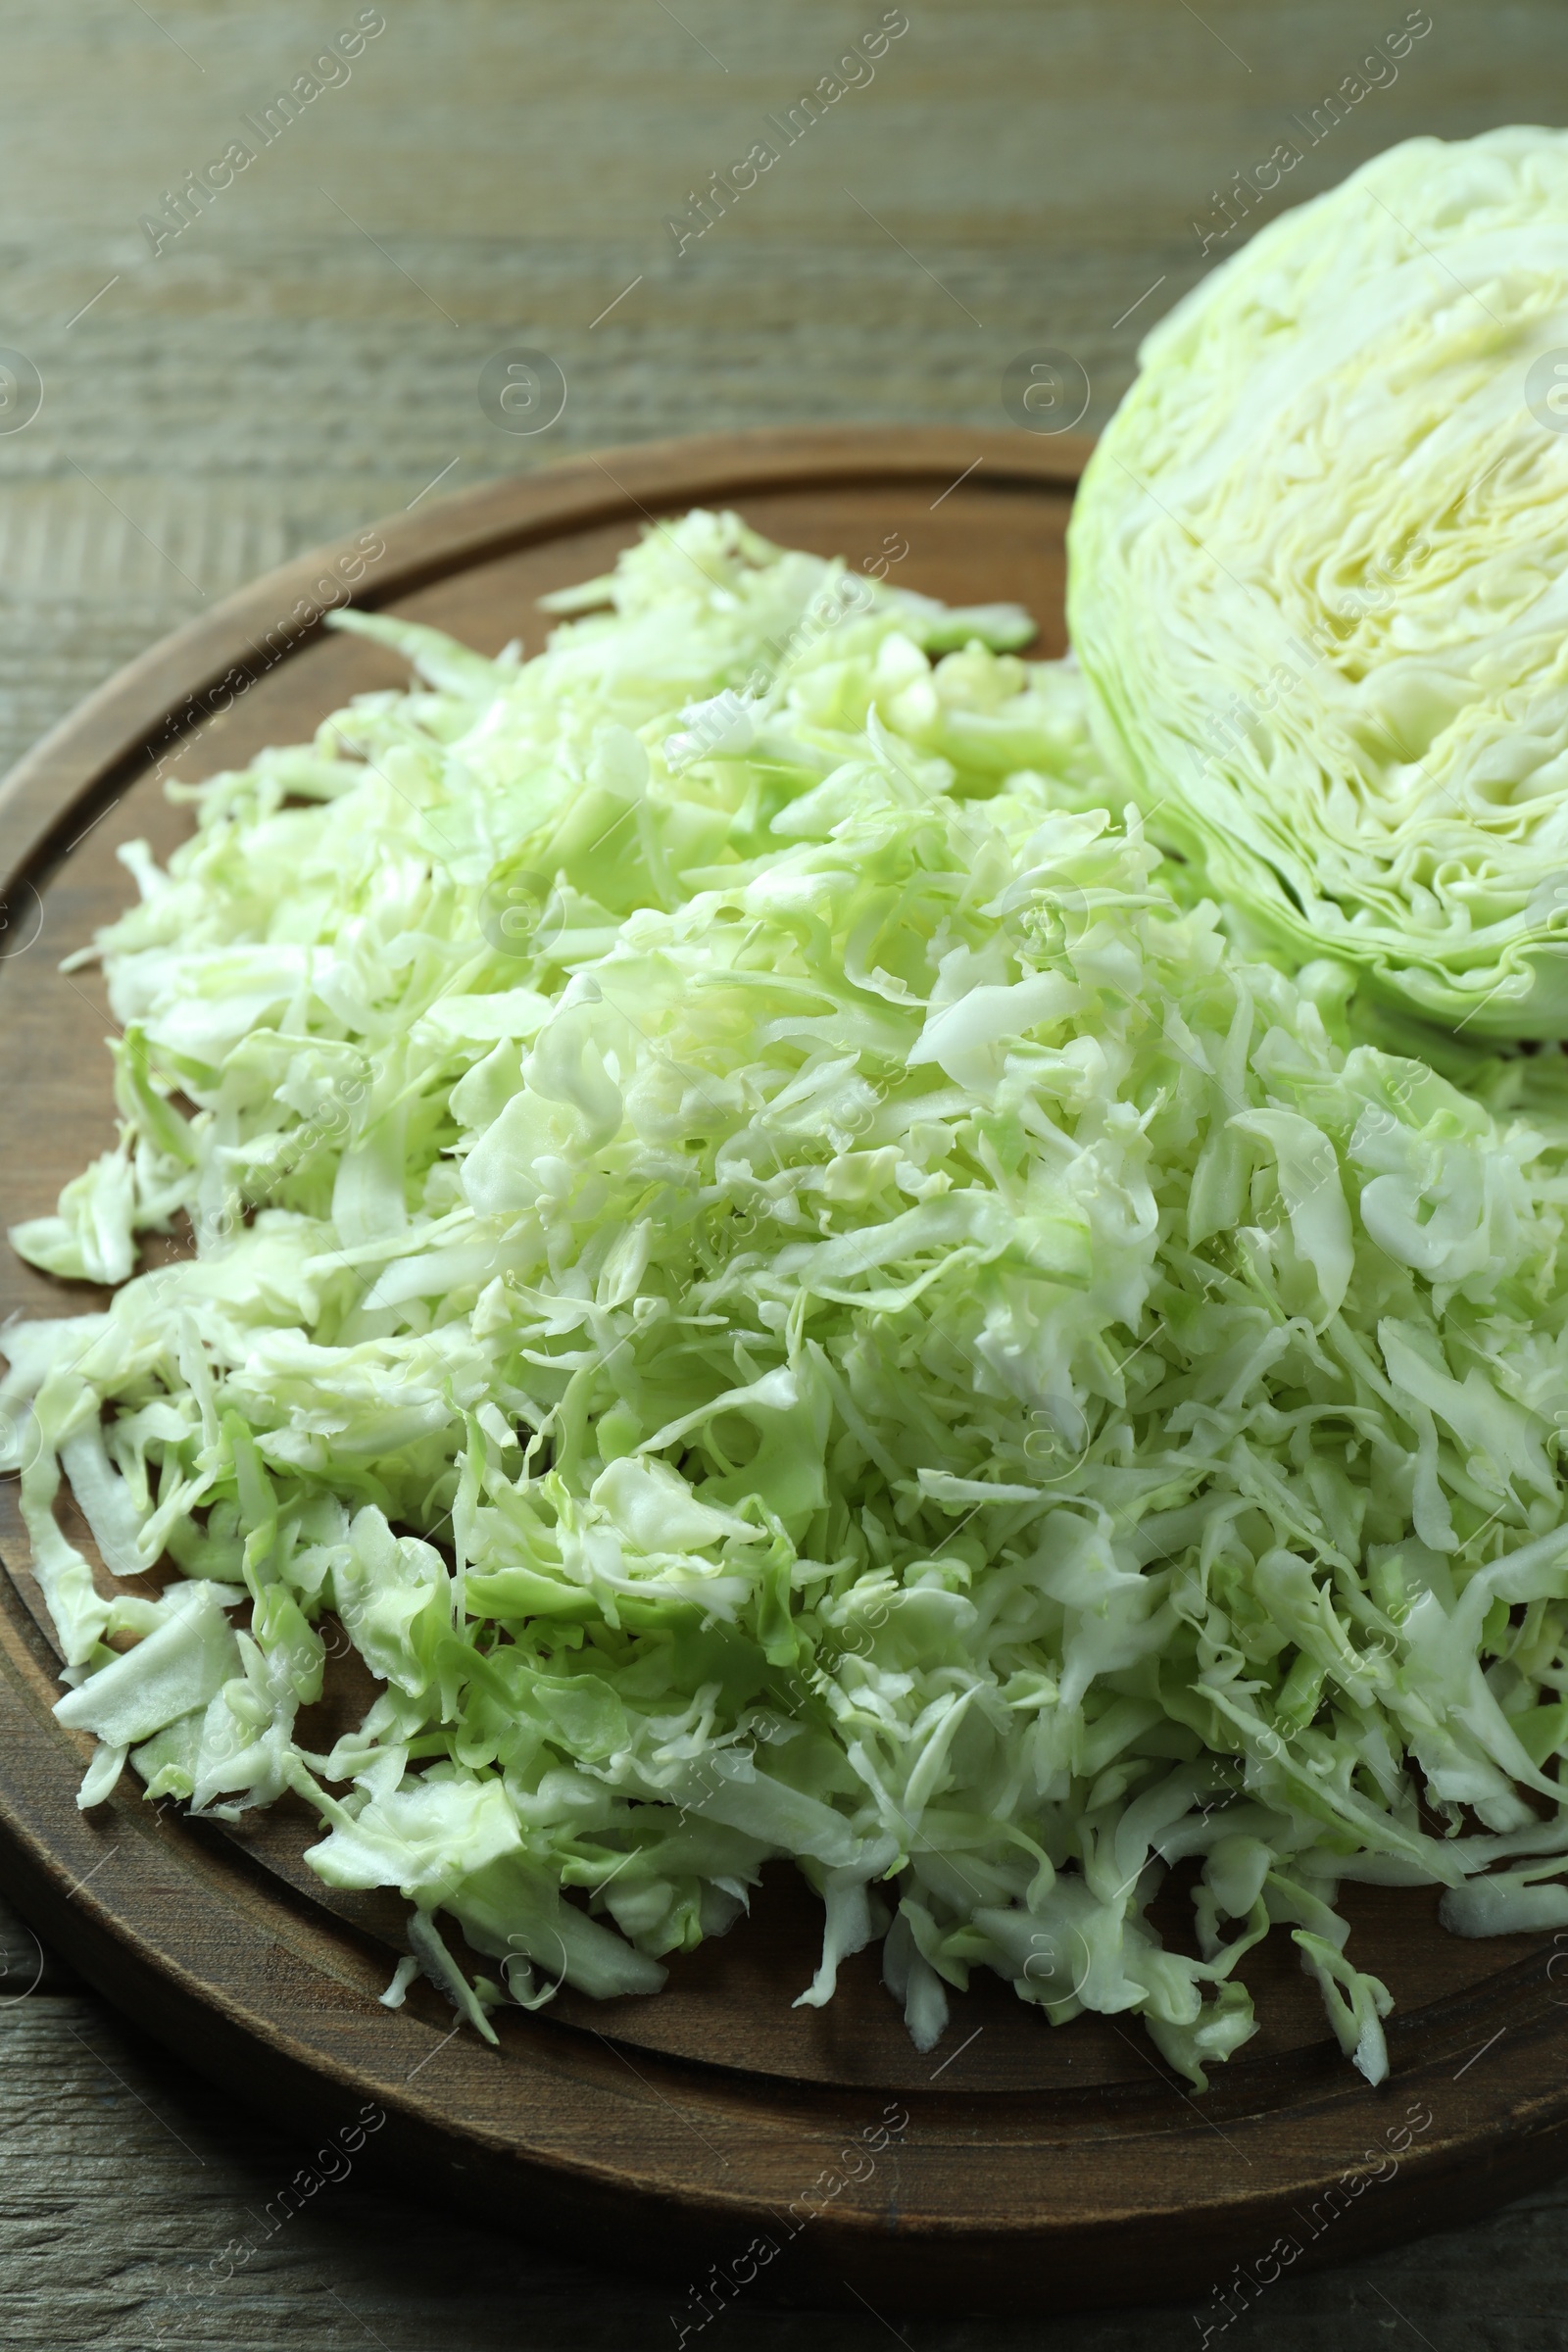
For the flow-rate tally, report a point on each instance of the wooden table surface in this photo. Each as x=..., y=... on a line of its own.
x=302, y=355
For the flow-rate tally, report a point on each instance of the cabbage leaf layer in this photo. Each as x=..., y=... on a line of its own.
x=1319, y=580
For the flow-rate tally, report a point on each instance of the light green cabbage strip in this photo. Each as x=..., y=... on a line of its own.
x=791, y=1302
x=1319, y=580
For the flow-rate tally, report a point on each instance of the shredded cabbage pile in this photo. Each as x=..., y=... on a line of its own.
x=791, y=1301
x=1319, y=580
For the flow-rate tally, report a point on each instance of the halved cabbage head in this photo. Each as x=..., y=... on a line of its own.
x=1317, y=581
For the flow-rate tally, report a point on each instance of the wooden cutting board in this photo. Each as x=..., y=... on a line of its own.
x=738, y=2145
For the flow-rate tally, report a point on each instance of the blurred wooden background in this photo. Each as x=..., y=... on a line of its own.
x=304, y=357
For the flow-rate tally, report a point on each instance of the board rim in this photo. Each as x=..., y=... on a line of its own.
x=274, y=2039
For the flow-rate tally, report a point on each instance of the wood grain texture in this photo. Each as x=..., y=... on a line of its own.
x=135, y=2215
x=691, y=2127
x=272, y=379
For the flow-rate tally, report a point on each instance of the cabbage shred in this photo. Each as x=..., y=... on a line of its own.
x=791, y=1302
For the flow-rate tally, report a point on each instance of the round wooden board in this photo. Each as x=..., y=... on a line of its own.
x=1024, y=2165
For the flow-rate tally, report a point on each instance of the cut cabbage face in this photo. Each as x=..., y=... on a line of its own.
x=1320, y=581
x=791, y=1303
